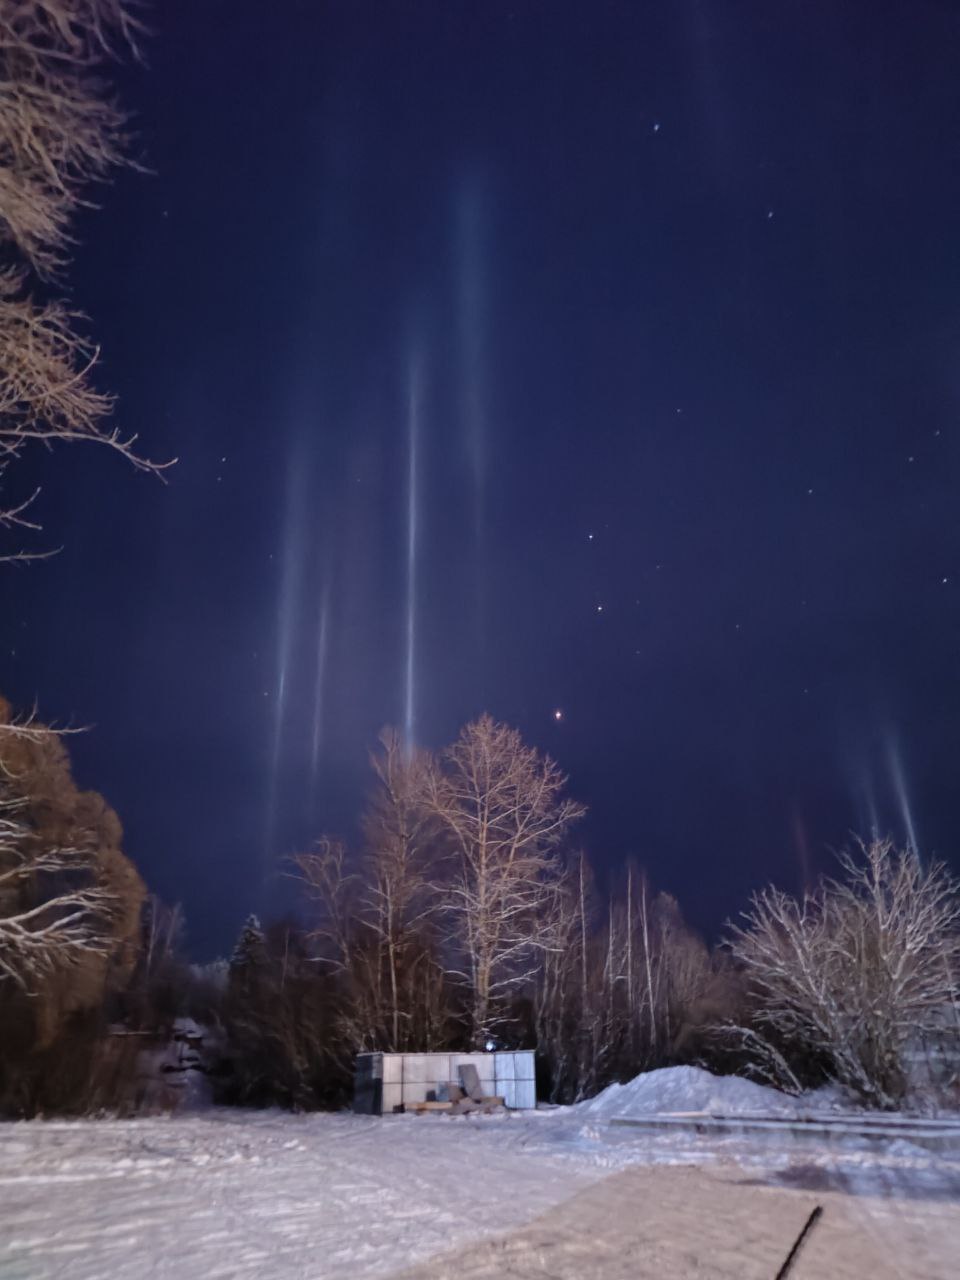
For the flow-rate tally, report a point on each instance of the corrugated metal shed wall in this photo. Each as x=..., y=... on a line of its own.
x=383, y=1081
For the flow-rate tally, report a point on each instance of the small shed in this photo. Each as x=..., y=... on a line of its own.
x=384, y=1082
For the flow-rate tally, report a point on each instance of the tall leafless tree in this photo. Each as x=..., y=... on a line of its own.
x=502, y=808
x=399, y=900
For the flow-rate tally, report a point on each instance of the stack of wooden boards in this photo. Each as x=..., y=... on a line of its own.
x=458, y=1099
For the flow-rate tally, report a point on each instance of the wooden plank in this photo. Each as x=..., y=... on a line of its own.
x=430, y=1106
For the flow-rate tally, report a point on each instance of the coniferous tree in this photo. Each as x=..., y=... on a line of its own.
x=250, y=953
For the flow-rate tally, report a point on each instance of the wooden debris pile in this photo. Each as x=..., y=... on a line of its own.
x=458, y=1098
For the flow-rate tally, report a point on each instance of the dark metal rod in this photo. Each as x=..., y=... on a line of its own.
x=798, y=1243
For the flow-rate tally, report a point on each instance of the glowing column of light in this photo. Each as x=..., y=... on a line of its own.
x=292, y=555
x=319, y=685
x=470, y=309
x=414, y=410
x=900, y=789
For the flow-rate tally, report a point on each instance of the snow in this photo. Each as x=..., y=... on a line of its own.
x=245, y=1194
x=684, y=1089
x=562, y=1192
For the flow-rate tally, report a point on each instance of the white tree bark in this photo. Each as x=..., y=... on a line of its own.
x=502, y=808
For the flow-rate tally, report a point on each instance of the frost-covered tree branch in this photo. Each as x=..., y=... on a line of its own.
x=856, y=970
x=60, y=131
x=51, y=912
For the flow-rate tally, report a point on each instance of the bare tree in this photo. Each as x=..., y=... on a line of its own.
x=329, y=885
x=398, y=900
x=857, y=969
x=502, y=808
x=334, y=894
x=162, y=935
x=60, y=130
x=52, y=912
x=578, y=1030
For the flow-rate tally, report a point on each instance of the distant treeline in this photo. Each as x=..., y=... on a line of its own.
x=467, y=917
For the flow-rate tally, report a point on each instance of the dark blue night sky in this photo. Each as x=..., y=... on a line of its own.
x=668, y=295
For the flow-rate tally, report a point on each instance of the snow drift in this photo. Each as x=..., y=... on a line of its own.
x=673, y=1089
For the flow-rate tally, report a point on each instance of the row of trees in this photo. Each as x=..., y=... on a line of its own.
x=466, y=916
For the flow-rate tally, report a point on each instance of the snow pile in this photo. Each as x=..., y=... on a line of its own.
x=677, y=1089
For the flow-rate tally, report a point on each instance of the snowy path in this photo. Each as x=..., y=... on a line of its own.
x=675, y=1223
x=252, y=1194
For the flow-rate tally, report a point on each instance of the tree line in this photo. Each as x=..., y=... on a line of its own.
x=467, y=916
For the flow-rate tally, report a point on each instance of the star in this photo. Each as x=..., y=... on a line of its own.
x=558, y=715
x=599, y=608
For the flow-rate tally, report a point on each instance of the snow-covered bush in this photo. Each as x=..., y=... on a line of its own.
x=856, y=970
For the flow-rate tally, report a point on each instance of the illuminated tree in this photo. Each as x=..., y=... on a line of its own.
x=60, y=130
x=398, y=901
x=70, y=901
x=857, y=969
x=53, y=914
x=502, y=809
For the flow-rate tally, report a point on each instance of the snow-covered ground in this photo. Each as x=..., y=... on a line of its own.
x=562, y=1193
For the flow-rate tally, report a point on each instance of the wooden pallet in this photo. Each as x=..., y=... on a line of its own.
x=484, y=1105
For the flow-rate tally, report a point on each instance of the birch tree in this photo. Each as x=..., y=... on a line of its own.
x=503, y=810
x=399, y=900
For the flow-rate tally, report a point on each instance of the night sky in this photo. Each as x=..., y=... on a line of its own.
x=666, y=296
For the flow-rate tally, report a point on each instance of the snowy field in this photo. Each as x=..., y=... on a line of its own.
x=562, y=1193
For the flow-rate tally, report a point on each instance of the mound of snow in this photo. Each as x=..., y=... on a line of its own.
x=687, y=1089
